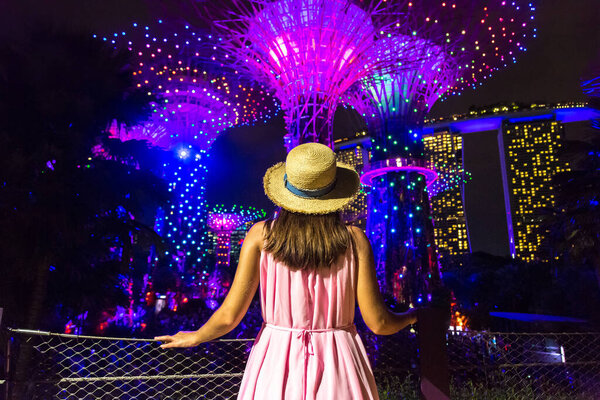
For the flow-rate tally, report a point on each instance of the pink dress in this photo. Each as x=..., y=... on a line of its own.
x=308, y=347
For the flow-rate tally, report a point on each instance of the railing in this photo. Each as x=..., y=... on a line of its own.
x=89, y=367
x=488, y=365
x=482, y=365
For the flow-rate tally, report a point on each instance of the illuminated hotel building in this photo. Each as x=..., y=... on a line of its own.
x=531, y=159
x=354, y=151
x=444, y=149
x=512, y=152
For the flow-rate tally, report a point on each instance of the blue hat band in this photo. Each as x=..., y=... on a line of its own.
x=308, y=194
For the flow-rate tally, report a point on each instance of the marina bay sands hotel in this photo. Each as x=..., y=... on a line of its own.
x=497, y=164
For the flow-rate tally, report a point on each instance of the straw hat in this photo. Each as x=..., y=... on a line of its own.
x=311, y=182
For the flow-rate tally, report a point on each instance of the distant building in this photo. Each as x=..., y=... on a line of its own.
x=531, y=159
x=514, y=152
x=237, y=239
x=444, y=149
x=354, y=151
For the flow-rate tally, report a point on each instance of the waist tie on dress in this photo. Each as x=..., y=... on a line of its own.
x=305, y=335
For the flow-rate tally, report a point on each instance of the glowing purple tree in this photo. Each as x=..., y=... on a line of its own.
x=443, y=47
x=308, y=51
x=199, y=96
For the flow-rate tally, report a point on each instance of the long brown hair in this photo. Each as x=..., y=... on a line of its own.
x=306, y=241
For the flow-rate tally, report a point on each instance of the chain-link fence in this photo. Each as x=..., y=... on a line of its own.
x=57, y=366
x=488, y=365
x=483, y=365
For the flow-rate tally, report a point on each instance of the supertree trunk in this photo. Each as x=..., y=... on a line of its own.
x=399, y=222
x=401, y=232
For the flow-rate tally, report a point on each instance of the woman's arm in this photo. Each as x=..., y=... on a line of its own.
x=236, y=304
x=378, y=318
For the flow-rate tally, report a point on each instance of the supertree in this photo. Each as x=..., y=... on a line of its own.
x=450, y=46
x=223, y=221
x=308, y=51
x=199, y=96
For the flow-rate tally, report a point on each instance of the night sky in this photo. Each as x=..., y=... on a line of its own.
x=567, y=47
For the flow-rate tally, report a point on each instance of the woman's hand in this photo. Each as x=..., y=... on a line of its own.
x=180, y=339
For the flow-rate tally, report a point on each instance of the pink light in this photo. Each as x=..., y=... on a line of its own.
x=380, y=168
x=367, y=178
x=225, y=221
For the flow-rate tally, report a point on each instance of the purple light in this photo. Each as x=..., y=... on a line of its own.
x=310, y=52
x=212, y=304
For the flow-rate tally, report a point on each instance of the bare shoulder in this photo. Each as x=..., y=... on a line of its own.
x=355, y=231
x=255, y=234
x=359, y=237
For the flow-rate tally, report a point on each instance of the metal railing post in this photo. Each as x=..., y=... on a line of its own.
x=7, y=369
x=433, y=355
x=5, y=380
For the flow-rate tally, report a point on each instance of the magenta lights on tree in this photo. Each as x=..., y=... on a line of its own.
x=155, y=134
x=402, y=95
x=308, y=51
x=443, y=47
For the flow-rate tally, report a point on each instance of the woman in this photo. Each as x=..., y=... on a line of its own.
x=312, y=269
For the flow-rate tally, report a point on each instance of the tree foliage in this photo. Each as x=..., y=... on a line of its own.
x=483, y=283
x=73, y=220
x=572, y=227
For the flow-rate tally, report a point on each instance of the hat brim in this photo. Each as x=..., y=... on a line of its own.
x=347, y=186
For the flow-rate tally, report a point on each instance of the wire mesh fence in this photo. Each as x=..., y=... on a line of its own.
x=87, y=367
x=488, y=365
x=482, y=365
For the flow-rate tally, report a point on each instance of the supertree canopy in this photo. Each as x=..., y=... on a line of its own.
x=443, y=47
x=199, y=95
x=308, y=51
